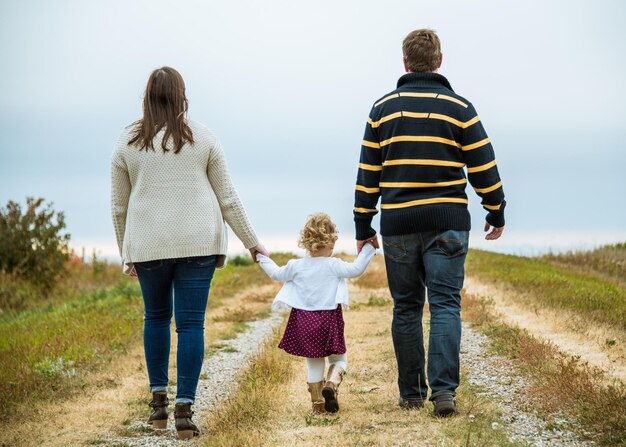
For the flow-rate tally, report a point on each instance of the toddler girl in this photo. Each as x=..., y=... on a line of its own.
x=315, y=289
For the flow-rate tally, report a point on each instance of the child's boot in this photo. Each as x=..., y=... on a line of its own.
x=159, y=403
x=331, y=388
x=316, y=396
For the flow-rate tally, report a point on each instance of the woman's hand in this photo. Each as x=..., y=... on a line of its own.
x=260, y=249
x=133, y=272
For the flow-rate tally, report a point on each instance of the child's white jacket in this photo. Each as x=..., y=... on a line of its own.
x=315, y=283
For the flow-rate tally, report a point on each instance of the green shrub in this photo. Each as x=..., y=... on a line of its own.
x=98, y=266
x=16, y=293
x=33, y=244
x=241, y=261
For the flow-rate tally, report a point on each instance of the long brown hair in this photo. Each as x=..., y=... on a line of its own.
x=164, y=105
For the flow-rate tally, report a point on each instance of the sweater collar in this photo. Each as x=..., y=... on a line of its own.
x=424, y=79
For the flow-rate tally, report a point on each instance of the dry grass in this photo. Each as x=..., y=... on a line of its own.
x=609, y=261
x=239, y=314
x=242, y=420
x=561, y=383
x=375, y=277
x=263, y=296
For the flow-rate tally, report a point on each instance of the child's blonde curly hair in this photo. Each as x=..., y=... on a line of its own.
x=318, y=232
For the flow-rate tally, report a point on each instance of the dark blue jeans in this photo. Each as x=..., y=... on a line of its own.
x=433, y=261
x=181, y=285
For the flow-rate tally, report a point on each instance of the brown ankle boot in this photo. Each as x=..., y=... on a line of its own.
x=316, y=396
x=159, y=403
x=331, y=388
x=184, y=425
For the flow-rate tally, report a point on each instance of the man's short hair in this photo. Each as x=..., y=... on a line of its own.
x=422, y=50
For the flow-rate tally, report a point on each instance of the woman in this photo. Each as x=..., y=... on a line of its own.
x=171, y=196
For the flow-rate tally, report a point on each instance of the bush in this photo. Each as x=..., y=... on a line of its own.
x=33, y=244
x=241, y=261
x=16, y=293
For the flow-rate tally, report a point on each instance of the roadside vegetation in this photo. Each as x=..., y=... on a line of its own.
x=590, y=284
x=45, y=351
x=33, y=242
x=560, y=383
x=546, y=282
x=608, y=261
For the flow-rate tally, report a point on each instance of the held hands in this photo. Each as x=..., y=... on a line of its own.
x=258, y=249
x=495, y=233
x=373, y=240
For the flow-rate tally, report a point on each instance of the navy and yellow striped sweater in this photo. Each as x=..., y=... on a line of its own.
x=417, y=141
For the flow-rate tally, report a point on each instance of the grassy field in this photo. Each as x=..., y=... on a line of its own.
x=609, y=261
x=589, y=284
x=551, y=282
x=48, y=344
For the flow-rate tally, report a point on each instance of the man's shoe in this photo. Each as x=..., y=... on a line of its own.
x=410, y=403
x=445, y=406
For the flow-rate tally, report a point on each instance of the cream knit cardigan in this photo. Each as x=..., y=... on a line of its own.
x=168, y=205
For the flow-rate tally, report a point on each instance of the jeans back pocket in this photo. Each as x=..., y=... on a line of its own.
x=204, y=261
x=452, y=242
x=149, y=265
x=394, y=247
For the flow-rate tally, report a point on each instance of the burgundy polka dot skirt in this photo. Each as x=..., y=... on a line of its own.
x=314, y=334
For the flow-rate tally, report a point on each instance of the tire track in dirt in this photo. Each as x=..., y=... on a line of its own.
x=600, y=346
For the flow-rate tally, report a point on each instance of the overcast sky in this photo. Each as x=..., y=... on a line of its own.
x=287, y=87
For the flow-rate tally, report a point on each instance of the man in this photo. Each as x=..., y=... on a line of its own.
x=418, y=139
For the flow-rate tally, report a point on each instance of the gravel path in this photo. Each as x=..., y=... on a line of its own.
x=218, y=380
x=496, y=378
x=499, y=380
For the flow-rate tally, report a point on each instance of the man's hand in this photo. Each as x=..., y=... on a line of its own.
x=258, y=249
x=133, y=272
x=373, y=240
x=495, y=233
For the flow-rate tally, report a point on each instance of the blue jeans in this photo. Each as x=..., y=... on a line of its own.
x=181, y=285
x=433, y=261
